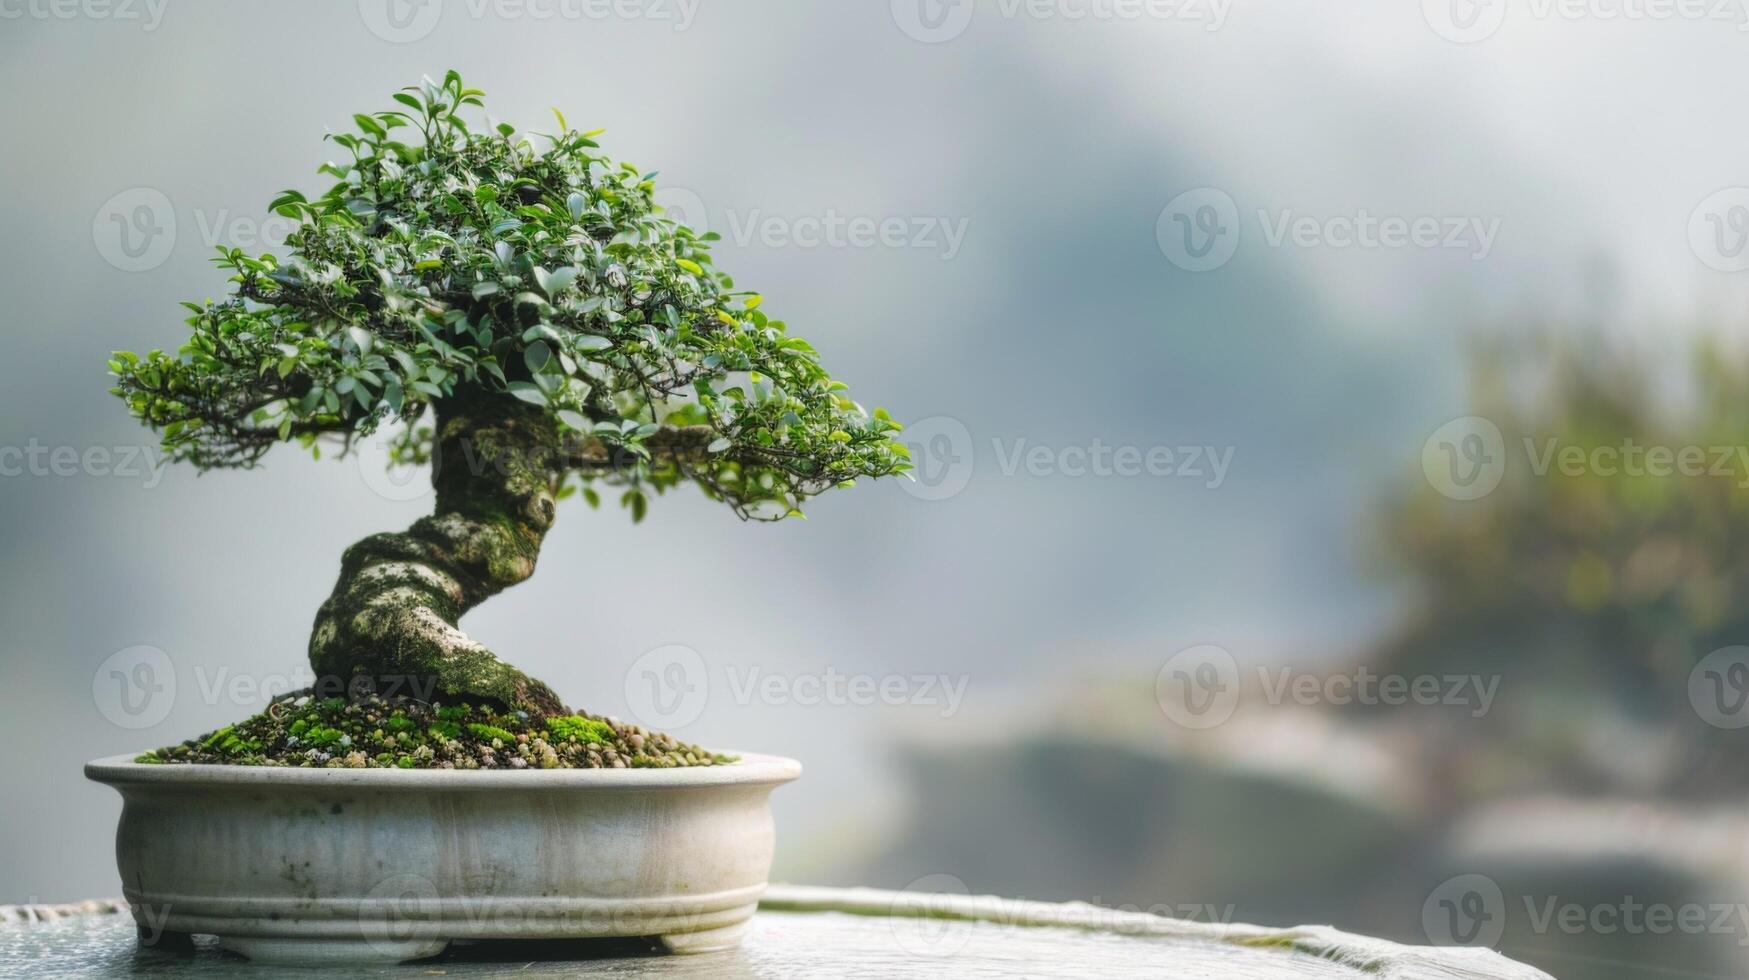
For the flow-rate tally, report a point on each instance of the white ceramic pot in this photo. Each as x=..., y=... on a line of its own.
x=327, y=865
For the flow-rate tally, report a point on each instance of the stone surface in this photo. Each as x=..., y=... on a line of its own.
x=815, y=932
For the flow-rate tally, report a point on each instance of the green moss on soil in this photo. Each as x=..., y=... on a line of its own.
x=402, y=733
x=580, y=728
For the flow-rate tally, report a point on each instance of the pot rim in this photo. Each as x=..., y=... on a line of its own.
x=751, y=769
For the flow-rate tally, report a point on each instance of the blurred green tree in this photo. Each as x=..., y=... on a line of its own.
x=1610, y=561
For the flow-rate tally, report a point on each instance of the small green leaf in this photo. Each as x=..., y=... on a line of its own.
x=527, y=392
x=639, y=504
x=555, y=282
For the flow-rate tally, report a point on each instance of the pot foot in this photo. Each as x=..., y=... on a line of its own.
x=325, y=952
x=704, y=941
x=163, y=939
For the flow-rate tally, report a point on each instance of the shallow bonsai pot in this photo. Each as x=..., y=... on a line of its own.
x=344, y=865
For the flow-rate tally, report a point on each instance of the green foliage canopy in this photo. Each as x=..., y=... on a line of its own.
x=445, y=259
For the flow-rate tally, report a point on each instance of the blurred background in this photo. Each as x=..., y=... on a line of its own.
x=1332, y=425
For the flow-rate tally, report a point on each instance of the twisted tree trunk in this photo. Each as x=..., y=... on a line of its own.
x=392, y=617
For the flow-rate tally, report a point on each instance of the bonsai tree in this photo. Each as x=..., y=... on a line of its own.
x=536, y=328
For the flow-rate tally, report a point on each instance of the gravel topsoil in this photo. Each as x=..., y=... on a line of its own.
x=400, y=732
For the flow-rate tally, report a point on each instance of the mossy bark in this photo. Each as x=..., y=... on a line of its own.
x=393, y=615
